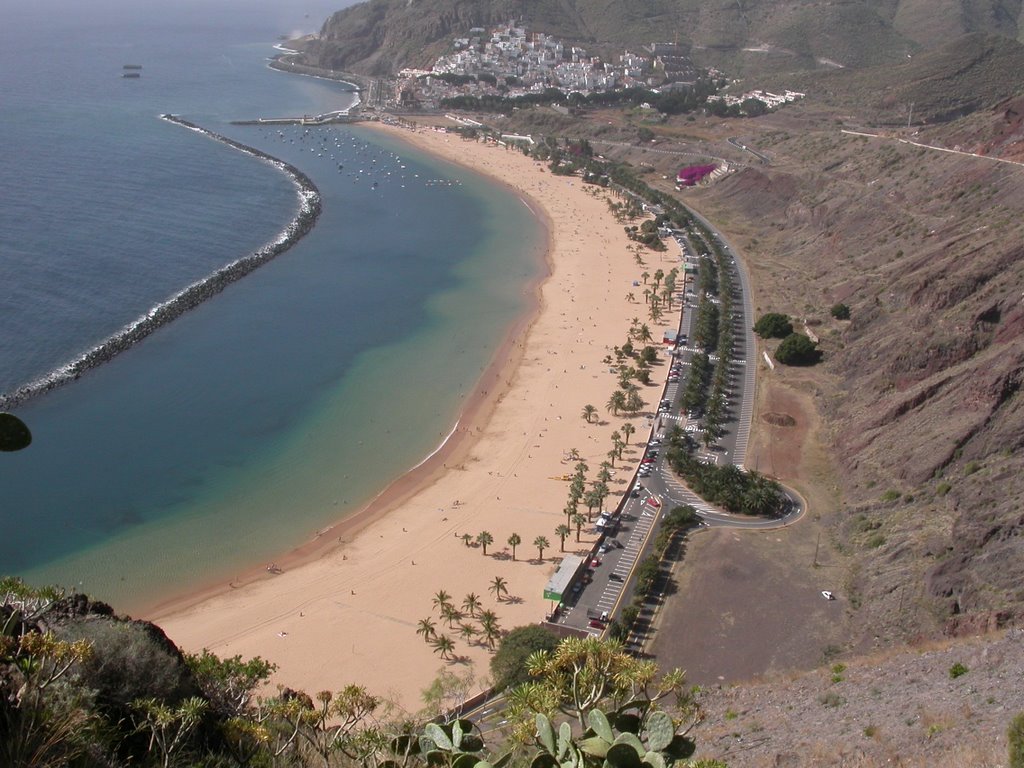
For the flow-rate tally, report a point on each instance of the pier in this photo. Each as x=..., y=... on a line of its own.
x=328, y=118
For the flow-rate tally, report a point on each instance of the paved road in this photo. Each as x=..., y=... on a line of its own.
x=746, y=148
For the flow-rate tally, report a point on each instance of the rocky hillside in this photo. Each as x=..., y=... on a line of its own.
x=921, y=388
x=947, y=705
x=956, y=79
x=379, y=36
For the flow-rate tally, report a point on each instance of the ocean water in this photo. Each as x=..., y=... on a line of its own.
x=253, y=421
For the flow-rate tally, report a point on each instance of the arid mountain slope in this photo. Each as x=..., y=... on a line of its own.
x=776, y=35
x=958, y=78
x=900, y=708
x=922, y=385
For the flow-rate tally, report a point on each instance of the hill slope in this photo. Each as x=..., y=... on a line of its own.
x=922, y=387
x=379, y=36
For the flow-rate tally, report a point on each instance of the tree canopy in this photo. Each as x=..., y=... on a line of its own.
x=508, y=665
x=773, y=325
x=797, y=349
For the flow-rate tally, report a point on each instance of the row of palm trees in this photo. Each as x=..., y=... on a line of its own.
x=486, y=625
x=484, y=539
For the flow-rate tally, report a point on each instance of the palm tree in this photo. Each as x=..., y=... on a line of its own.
x=489, y=627
x=613, y=454
x=467, y=631
x=499, y=587
x=645, y=275
x=630, y=298
x=425, y=627
x=578, y=521
x=541, y=544
x=616, y=401
x=442, y=598
x=471, y=603
x=647, y=295
x=605, y=474
x=467, y=538
x=514, y=541
x=451, y=614
x=444, y=645
x=484, y=538
x=570, y=510
x=628, y=430
x=634, y=403
x=588, y=412
x=644, y=334
x=561, y=532
x=581, y=469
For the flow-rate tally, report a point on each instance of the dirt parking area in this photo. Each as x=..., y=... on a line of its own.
x=748, y=603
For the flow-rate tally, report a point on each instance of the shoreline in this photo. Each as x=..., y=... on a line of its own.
x=353, y=594
x=491, y=387
x=197, y=292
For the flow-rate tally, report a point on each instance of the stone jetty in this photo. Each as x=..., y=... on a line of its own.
x=196, y=293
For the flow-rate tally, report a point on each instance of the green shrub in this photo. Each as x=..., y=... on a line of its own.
x=508, y=666
x=957, y=670
x=972, y=467
x=1015, y=737
x=890, y=495
x=943, y=488
x=840, y=312
x=876, y=541
x=130, y=661
x=797, y=349
x=773, y=325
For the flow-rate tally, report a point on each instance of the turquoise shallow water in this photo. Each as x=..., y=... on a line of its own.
x=268, y=413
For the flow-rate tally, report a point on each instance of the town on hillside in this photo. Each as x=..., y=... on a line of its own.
x=510, y=62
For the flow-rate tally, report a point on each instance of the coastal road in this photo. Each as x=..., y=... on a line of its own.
x=607, y=583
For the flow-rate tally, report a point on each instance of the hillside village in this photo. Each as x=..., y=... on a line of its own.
x=510, y=61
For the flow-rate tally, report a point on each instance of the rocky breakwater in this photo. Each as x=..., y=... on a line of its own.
x=196, y=293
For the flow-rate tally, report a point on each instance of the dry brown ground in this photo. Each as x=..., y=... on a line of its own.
x=749, y=602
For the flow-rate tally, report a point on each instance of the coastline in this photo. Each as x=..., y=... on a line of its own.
x=377, y=569
x=192, y=295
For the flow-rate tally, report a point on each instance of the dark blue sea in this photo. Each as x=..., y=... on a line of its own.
x=287, y=401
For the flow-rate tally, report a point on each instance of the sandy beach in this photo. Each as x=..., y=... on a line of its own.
x=345, y=608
